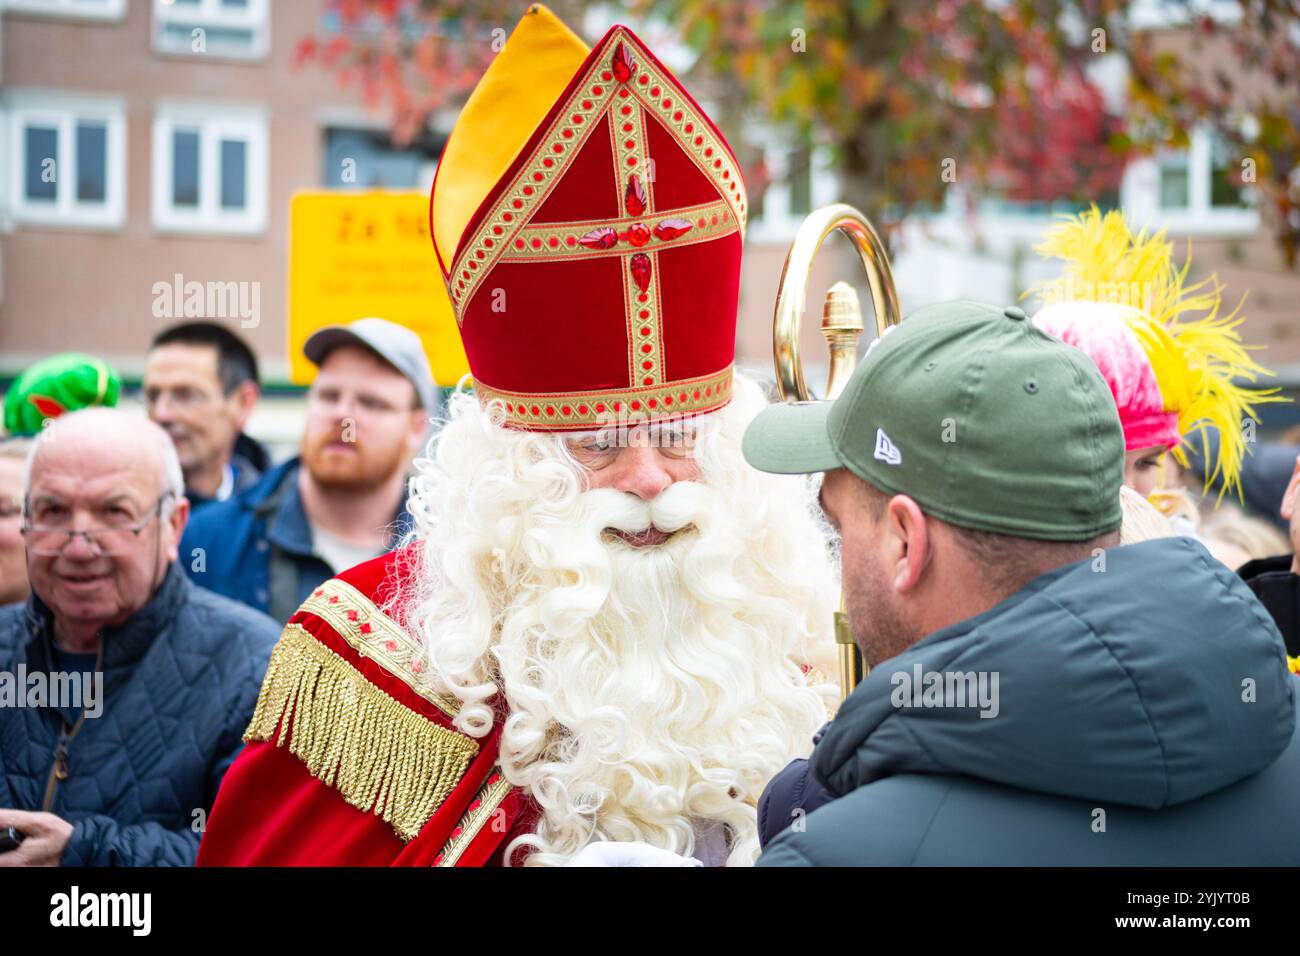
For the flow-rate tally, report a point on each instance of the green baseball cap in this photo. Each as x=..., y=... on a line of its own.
x=983, y=419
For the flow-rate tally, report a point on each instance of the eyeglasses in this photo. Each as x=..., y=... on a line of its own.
x=183, y=398
x=111, y=540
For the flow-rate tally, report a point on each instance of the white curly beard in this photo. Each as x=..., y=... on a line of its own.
x=651, y=691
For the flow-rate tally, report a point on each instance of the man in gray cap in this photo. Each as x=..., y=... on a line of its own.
x=343, y=500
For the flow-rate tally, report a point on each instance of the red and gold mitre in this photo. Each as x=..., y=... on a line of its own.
x=590, y=235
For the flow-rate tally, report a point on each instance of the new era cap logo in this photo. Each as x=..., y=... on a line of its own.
x=886, y=450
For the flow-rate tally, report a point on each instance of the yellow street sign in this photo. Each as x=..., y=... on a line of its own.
x=354, y=255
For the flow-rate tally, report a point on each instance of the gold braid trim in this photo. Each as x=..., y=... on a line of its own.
x=481, y=809
x=380, y=755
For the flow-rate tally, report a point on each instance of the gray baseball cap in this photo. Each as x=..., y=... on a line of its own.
x=395, y=344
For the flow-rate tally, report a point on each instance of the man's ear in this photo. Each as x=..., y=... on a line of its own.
x=178, y=519
x=1292, y=492
x=419, y=428
x=244, y=397
x=908, y=540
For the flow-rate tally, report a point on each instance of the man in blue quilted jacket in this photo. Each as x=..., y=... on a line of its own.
x=124, y=688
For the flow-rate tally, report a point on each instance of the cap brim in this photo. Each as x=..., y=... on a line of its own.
x=791, y=439
x=323, y=341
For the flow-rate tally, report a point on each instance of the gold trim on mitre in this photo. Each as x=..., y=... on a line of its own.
x=523, y=82
x=651, y=91
x=381, y=756
x=610, y=408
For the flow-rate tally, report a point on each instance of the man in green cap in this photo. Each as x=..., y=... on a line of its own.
x=1035, y=691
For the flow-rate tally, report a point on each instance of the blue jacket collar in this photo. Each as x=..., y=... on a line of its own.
x=287, y=525
x=124, y=645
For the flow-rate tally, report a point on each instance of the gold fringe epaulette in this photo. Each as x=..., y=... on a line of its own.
x=380, y=755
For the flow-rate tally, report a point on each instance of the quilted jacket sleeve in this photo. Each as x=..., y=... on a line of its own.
x=98, y=840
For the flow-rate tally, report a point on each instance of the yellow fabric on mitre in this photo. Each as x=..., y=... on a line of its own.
x=534, y=66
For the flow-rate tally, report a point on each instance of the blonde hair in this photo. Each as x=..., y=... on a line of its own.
x=1252, y=537
x=1142, y=520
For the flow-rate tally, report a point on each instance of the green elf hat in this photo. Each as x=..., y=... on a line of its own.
x=61, y=383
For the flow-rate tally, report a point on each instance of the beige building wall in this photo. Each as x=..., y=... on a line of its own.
x=92, y=290
x=73, y=288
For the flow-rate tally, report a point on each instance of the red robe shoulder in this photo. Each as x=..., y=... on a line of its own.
x=351, y=758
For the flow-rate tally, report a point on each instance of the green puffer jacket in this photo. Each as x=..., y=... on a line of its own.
x=1141, y=715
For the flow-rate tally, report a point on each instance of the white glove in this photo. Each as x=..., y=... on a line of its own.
x=628, y=854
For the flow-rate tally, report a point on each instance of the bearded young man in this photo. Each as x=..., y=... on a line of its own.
x=342, y=501
x=602, y=632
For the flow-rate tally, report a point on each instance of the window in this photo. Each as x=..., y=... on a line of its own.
x=1225, y=177
x=68, y=159
x=360, y=158
x=209, y=169
x=787, y=185
x=72, y=9
x=1192, y=191
x=223, y=28
x=800, y=179
x=1175, y=186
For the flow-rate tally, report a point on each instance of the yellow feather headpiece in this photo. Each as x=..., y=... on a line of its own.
x=1195, y=353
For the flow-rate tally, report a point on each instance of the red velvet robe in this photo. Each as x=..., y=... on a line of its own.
x=351, y=758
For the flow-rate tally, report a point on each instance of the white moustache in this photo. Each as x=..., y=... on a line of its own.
x=680, y=504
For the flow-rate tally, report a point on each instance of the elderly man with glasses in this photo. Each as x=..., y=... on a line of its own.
x=124, y=688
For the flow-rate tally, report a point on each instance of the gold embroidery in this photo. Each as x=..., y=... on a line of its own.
x=481, y=808
x=532, y=184
x=380, y=755
x=692, y=130
x=610, y=408
x=558, y=241
x=593, y=97
x=644, y=317
x=373, y=634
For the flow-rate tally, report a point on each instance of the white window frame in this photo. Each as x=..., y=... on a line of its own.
x=63, y=111
x=99, y=10
x=1140, y=196
x=778, y=224
x=213, y=121
x=211, y=14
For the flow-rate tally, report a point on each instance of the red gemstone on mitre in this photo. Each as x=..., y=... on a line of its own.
x=640, y=266
x=602, y=238
x=638, y=234
x=622, y=64
x=671, y=229
x=635, y=196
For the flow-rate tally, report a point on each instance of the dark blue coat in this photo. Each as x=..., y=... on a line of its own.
x=181, y=679
x=1144, y=716
x=256, y=546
